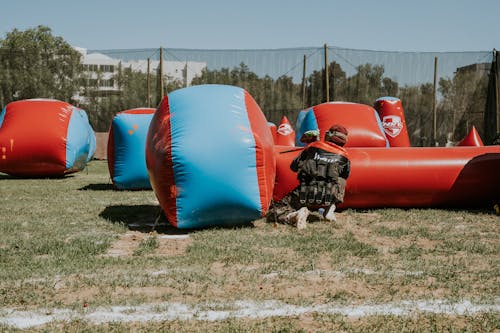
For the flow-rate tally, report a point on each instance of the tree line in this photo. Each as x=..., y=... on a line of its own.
x=36, y=64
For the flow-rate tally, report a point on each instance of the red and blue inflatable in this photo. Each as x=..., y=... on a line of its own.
x=44, y=137
x=210, y=157
x=126, y=149
x=398, y=175
x=363, y=122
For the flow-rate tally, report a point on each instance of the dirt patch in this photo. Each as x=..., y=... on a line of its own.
x=172, y=245
x=168, y=245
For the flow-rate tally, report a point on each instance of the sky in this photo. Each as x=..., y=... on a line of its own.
x=384, y=25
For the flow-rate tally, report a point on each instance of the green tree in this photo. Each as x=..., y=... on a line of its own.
x=417, y=106
x=368, y=84
x=276, y=98
x=463, y=102
x=315, y=90
x=34, y=63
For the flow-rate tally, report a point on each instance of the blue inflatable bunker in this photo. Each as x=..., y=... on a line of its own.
x=127, y=149
x=210, y=157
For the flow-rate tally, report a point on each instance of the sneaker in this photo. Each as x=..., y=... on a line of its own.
x=330, y=214
x=298, y=218
x=301, y=217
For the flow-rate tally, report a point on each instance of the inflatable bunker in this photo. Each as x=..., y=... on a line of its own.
x=127, y=149
x=363, y=122
x=210, y=157
x=460, y=176
x=44, y=137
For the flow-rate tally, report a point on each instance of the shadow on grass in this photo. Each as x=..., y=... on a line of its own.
x=4, y=176
x=108, y=187
x=97, y=187
x=142, y=218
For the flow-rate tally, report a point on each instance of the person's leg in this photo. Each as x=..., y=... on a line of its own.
x=298, y=218
x=330, y=213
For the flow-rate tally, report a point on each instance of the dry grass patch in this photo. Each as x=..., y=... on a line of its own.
x=66, y=242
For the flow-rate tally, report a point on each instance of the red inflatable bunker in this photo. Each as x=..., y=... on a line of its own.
x=410, y=177
x=363, y=122
x=462, y=176
x=44, y=137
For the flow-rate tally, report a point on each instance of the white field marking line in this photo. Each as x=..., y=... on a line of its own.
x=341, y=273
x=238, y=309
x=174, y=236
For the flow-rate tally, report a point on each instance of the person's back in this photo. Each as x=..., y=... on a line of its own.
x=322, y=169
x=319, y=169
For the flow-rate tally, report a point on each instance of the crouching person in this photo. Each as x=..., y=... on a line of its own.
x=322, y=170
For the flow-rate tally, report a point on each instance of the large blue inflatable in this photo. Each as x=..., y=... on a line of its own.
x=127, y=149
x=210, y=157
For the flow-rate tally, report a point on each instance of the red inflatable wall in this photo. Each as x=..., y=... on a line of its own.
x=411, y=177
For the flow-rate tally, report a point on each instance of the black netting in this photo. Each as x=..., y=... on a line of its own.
x=285, y=81
x=274, y=78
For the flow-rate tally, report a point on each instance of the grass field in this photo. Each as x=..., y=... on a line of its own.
x=77, y=256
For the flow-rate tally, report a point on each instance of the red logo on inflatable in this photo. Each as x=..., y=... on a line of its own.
x=392, y=125
x=285, y=129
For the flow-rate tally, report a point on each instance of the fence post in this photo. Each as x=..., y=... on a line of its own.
x=333, y=79
x=434, y=116
x=148, y=79
x=161, y=74
x=327, y=84
x=497, y=91
x=304, y=83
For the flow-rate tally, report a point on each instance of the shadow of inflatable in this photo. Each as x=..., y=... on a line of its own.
x=108, y=187
x=5, y=176
x=142, y=218
x=478, y=184
x=97, y=187
x=148, y=218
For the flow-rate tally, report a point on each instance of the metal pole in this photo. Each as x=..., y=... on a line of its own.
x=304, y=83
x=333, y=80
x=497, y=91
x=327, y=84
x=434, y=116
x=161, y=74
x=148, y=79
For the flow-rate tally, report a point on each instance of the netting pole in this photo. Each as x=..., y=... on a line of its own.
x=148, y=80
x=304, y=83
x=497, y=91
x=327, y=84
x=434, y=116
x=161, y=73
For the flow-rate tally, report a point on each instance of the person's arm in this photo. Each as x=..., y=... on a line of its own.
x=296, y=161
x=346, y=170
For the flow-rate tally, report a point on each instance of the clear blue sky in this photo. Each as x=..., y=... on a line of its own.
x=394, y=25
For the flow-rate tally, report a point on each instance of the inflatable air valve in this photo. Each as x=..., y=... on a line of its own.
x=391, y=112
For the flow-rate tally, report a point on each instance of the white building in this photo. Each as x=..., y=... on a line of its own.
x=101, y=69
